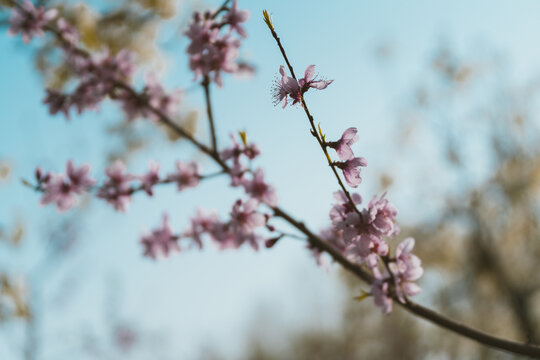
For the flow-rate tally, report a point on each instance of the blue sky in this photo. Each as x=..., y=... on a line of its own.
x=210, y=298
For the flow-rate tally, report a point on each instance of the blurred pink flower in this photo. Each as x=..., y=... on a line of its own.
x=160, y=240
x=30, y=21
x=235, y=17
x=187, y=175
x=259, y=190
x=151, y=178
x=117, y=189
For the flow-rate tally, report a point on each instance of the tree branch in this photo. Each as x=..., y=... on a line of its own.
x=206, y=85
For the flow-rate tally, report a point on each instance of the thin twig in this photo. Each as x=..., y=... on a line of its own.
x=206, y=85
x=313, y=128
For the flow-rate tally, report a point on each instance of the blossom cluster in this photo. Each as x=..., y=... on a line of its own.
x=63, y=190
x=99, y=75
x=30, y=21
x=212, y=51
x=244, y=220
x=252, y=181
x=361, y=234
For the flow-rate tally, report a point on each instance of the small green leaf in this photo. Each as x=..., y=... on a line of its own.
x=243, y=136
x=268, y=19
x=362, y=296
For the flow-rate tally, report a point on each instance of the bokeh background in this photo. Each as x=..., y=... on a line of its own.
x=444, y=95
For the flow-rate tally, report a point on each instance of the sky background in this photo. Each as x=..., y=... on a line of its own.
x=210, y=299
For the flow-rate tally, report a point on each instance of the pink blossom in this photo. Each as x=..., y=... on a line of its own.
x=159, y=99
x=236, y=173
x=215, y=58
x=160, y=240
x=250, y=150
x=380, y=217
x=334, y=237
x=236, y=153
x=61, y=189
x=339, y=212
x=117, y=189
x=289, y=87
x=151, y=178
x=30, y=21
x=351, y=170
x=98, y=75
x=260, y=190
x=201, y=34
x=343, y=145
x=57, y=102
x=67, y=32
x=406, y=269
x=286, y=87
x=368, y=248
x=381, y=293
x=244, y=216
x=152, y=96
x=110, y=68
x=79, y=177
x=58, y=191
x=309, y=82
x=235, y=17
x=201, y=224
x=187, y=175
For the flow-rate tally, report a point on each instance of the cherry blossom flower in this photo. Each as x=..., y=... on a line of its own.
x=351, y=170
x=187, y=175
x=309, y=82
x=340, y=210
x=216, y=57
x=209, y=53
x=57, y=102
x=152, y=96
x=67, y=32
x=380, y=291
x=250, y=150
x=58, y=191
x=201, y=224
x=155, y=95
x=235, y=17
x=380, y=217
x=201, y=34
x=406, y=270
x=29, y=21
x=260, y=190
x=289, y=87
x=286, y=87
x=343, y=145
x=79, y=177
x=117, y=189
x=151, y=178
x=244, y=216
x=368, y=248
x=161, y=240
x=61, y=189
